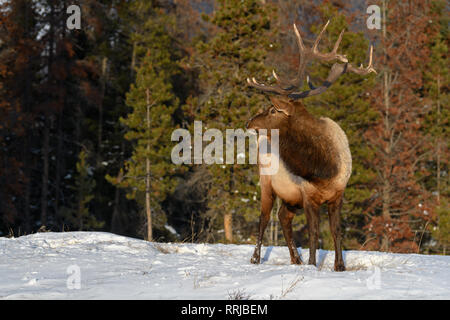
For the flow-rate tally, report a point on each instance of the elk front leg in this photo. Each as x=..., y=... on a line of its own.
x=312, y=218
x=285, y=216
x=267, y=199
x=334, y=212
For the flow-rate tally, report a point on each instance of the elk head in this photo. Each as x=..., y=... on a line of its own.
x=275, y=117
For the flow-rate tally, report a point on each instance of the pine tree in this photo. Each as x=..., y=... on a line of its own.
x=110, y=52
x=149, y=172
x=436, y=77
x=79, y=217
x=238, y=50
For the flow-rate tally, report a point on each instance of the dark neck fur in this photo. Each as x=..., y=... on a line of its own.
x=305, y=150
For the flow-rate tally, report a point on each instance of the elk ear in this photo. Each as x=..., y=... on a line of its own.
x=282, y=105
x=298, y=104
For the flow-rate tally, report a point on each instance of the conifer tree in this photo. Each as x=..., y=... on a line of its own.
x=148, y=173
x=237, y=51
x=436, y=79
x=79, y=216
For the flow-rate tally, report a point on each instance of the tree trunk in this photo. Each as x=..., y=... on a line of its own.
x=79, y=115
x=80, y=211
x=47, y=122
x=59, y=149
x=27, y=166
x=438, y=144
x=27, y=157
x=228, y=227
x=147, y=178
x=59, y=160
x=100, y=111
x=386, y=212
x=133, y=60
x=44, y=193
x=116, y=226
x=386, y=200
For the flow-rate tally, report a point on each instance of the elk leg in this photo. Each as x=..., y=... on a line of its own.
x=334, y=212
x=312, y=218
x=267, y=199
x=285, y=216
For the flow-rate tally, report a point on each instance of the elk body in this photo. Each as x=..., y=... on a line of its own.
x=314, y=156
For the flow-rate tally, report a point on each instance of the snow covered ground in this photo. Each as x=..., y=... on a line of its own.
x=93, y=265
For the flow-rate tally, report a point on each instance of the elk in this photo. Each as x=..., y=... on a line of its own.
x=314, y=157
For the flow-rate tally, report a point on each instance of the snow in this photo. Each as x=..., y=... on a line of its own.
x=95, y=265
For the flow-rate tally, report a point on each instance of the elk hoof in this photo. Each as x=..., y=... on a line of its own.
x=339, y=267
x=255, y=259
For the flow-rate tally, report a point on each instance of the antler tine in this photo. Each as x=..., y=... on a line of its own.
x=298, y=80
x=316, y=42
x=370, y=60
x=361, y=70
x=275, y=75
x=338, y=42
x=299, y=38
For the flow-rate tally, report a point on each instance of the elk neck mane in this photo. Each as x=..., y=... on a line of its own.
x=306, y=149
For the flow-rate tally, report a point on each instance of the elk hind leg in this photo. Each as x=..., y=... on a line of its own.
x=313, y=219
x=334, y=212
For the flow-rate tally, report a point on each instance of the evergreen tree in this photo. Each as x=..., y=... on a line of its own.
x=436, y=81
x=238, y=50
x=80, y=217
x=111, y=52
x=148, y=173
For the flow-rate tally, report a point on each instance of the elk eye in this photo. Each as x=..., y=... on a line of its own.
x=273, y=111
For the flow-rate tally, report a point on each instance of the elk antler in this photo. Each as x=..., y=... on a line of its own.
x=336, y=71
x=287, y=88
x=284, y=87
